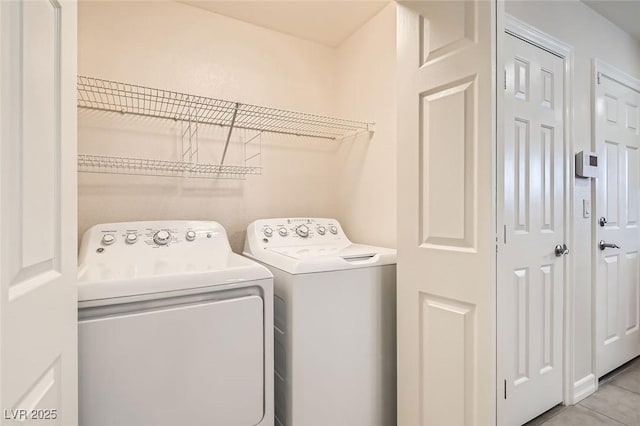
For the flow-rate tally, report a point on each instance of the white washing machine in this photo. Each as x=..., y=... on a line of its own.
x=335, y=323
x=174, y=328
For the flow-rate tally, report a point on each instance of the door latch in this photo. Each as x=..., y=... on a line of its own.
x=561, y=250
x=604, y=245
x=602, y=221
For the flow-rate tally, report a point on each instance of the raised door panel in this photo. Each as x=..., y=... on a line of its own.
x=632, y=186
x=611, y=183
x=446, y=28
x=632, y=116
x=447, y=166
x=447, y=348
x=40, y=135
x=520, y=177
x=612, y=285
x=631, y=301
x=523, y=327
x=548, y=178
x=548, y=319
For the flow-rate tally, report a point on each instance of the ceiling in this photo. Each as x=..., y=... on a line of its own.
x=331, y=22
x=326, y=22
x=623, y=13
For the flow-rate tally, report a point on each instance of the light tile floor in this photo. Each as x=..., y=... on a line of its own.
x=616, y=403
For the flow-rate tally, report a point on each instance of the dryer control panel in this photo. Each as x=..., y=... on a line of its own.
x=297, y=231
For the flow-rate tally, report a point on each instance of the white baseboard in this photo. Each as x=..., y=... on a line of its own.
x=584, y=387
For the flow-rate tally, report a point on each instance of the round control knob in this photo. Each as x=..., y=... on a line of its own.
x=283, y=232
x=333, y=229
x=191, y=235
x=322, y=230
x=108, y=239
x=303, y=231
x=161, y=237
x=131, y=238
x=268, y=232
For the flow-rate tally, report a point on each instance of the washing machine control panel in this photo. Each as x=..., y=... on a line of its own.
x=296, y=232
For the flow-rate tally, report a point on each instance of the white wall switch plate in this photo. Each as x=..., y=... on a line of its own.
x=586, y=209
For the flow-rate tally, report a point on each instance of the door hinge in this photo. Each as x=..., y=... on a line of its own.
x=505, y=79
x=505, y=389
x=598, y=77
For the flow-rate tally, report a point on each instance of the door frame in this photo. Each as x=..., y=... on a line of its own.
x=520, y=29
x=599, y=68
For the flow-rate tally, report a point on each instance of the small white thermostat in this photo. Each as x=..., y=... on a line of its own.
x=587, y=164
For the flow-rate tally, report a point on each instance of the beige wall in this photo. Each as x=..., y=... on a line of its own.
x=591, y=36
x=366, y=75
x=178, y=47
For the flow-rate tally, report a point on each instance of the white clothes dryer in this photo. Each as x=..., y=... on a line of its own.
x=173, y=328
x=335, y=323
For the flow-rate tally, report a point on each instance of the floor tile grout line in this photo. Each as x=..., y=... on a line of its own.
x=609, y=381
x=615, y=374
x=604, y=415
x=624, y=389
x=633, y=364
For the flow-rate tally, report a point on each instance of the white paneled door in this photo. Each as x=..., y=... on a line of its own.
x=38, y=311
x=617, y=141
x=531, y=252
x=446, y=213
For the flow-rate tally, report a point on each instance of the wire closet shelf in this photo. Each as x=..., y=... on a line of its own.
x=112, y=96
x=109, y=95
x=150, y=167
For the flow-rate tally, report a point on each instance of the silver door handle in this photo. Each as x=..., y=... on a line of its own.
x=561, y=250
x=604, y=245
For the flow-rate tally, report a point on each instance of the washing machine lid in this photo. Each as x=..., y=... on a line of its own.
x=128, y=259
x=322, y=247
